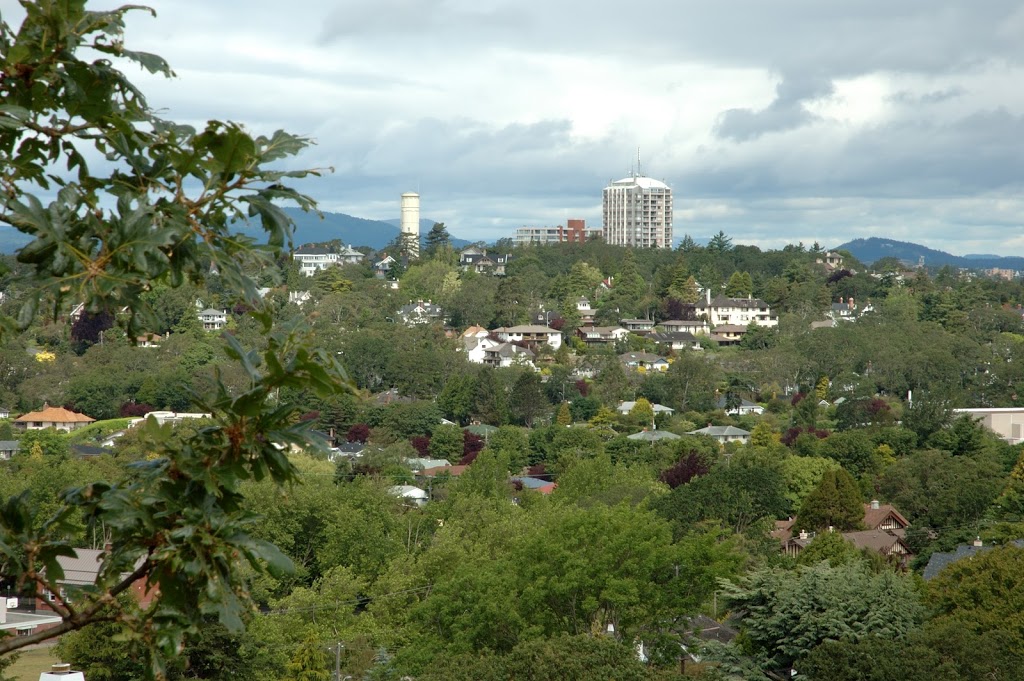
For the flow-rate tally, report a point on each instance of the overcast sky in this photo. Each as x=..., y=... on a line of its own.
x=777, y=122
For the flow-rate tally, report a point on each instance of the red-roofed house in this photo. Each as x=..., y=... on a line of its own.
x=52, y=417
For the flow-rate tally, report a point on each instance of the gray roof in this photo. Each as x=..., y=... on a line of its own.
x=724, y=301
x=654, y=435
x=720, y=403
x=670, y=336
x=81, y=569
x=314, y=250
x=721, y=431
x=939, y=561
x=9, y=445
x=531, y=483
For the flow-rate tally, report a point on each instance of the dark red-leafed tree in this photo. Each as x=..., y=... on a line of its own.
x=360, y=432
x=687, y=468
x=421, y=443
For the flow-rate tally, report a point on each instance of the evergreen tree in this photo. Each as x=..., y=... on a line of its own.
x=436, y=239
x=564, y=417
x=835, y=502
x=720, y=243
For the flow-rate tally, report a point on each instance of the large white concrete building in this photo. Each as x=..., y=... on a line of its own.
x=638, y=212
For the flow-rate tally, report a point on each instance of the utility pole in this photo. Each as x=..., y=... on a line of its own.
x=337, y=659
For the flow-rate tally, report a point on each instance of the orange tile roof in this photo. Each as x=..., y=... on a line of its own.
x=54, y=415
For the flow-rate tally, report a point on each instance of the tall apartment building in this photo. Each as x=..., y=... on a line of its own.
x=575, y=232
x=638, y=212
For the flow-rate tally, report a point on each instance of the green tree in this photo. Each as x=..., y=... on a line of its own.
x=564, y=417
x=719, y=244
x=309, y=662
x=835, y=502
x=456, y=398
x=446, y=443
x=642, y=412
x=782, y=624
x=158, y=212
x=436, y=240
x=527, y=401
x=740, y=285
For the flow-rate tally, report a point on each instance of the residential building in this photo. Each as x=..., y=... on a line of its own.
x=536, y=484
x=584, y=310
x=575, y=231
x=884, y=532
x=728, y=334
x=149, y=340
x=637, y=325
x=530, y=334
x=58, y=418
x=695, y=326
x=312, y=259
x=175, y=417
x=507, y=355
x=676, y=340
x=626, y=407
x=940, y=560
x=213, y=320
x=831, y=260
x=8, y=448
x=738, y=311
x=724, y=434
x=637, y=212
x=592, y=335
x=644, y=361
x=475, y=258
x=844, y=310
x=410, y=494
x=743, y=408
x=420, y=312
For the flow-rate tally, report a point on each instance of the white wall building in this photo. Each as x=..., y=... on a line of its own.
x=638, y=212
x=724, y=311
x=530, y=333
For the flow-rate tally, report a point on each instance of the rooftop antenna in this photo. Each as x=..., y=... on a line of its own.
x=638, y=171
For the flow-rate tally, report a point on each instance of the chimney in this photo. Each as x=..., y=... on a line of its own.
x=852, y=305
x=61, y=671
x=977, y=542
x=803, y=534
x=874, y=504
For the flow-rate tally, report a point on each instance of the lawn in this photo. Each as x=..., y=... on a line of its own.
x=32, y=663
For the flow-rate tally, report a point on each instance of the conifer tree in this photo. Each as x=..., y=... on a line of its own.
x=835, y=502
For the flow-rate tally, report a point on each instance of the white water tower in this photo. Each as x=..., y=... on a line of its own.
x=410, y=222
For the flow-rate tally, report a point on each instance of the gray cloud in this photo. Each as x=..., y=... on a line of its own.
x=786, y=112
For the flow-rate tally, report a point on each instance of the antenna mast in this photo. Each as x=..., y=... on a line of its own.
x=639, y=172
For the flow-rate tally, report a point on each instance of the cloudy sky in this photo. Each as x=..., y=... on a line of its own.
x=774, y=121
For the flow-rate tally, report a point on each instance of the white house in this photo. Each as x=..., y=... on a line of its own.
x=312, y=259
x=743, y=408
x=476, y=347
x=213, y=320
x=410, y=494
x=507, y=355
x=724, y=434
x=736, y=311
x=530, y=333
x=601, y=334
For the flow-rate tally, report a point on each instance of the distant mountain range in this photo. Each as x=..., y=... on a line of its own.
x=875, y=248
x=376, y=234
x=309, y=228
